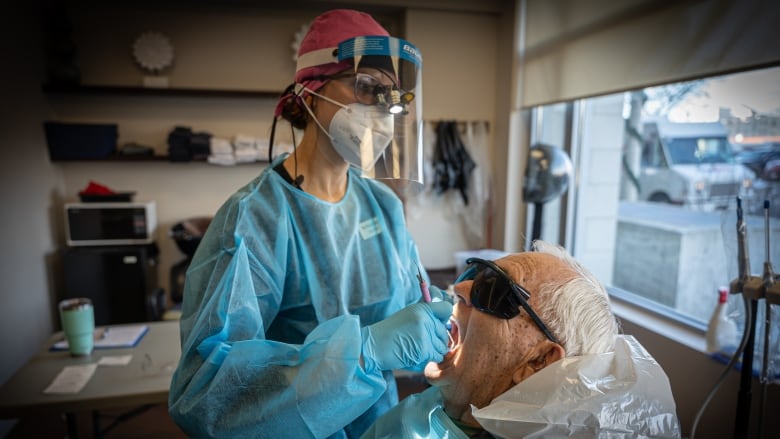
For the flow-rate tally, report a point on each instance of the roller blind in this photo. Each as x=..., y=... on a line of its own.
x=575, y=48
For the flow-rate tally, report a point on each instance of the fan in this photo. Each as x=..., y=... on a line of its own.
x=547, y=176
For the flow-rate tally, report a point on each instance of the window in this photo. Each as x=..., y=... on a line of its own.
x=652, y=209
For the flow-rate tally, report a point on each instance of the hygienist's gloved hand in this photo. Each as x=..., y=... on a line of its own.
x=439, y=295
x=410, y=338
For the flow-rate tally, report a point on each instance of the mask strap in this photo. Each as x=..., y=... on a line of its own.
x=310, y=91
x=314, y=118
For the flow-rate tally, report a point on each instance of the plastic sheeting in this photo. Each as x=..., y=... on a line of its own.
x=622, y=394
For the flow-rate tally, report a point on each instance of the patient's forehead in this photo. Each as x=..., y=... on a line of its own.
x=531, y=269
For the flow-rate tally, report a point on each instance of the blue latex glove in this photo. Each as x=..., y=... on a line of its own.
x=439, y=295
x=410, y=338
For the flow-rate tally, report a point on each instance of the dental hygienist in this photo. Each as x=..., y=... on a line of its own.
x=303, y=295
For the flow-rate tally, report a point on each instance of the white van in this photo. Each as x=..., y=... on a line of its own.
x=691, y=164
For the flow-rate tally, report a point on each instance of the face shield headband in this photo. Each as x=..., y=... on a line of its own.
x=494, y=292
x=397, y=91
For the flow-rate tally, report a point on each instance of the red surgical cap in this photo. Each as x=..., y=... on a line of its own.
x=328, y=30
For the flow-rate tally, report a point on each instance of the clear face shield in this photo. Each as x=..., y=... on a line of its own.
x=395, y=95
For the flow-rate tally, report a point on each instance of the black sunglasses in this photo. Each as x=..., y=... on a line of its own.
x=494, y=292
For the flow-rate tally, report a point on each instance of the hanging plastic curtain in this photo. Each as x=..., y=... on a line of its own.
x=452, y=164
x=458, y=190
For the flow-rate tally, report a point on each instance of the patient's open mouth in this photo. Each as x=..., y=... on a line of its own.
x=454, y=333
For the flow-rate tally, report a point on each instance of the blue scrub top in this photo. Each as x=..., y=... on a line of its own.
x=274, y=300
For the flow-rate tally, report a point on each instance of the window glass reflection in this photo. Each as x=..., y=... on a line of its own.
x=680, y=155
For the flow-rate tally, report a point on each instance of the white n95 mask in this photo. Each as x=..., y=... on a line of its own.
x=360, y=133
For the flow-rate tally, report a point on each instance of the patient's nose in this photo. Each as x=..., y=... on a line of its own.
x=463, y=289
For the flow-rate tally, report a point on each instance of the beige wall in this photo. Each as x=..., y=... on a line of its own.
x=459, y=63
x=232, y=47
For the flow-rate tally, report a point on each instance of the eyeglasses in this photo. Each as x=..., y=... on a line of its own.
x=494, y=292
x=370, y=91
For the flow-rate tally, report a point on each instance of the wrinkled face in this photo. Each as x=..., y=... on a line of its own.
x=490, y=353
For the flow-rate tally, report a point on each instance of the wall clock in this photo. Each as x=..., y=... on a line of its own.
x=153, y=51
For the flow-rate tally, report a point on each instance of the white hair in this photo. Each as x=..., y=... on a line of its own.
x=577, y=310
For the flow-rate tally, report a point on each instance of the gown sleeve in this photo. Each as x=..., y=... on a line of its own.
x=419, y=416
x=234, y=382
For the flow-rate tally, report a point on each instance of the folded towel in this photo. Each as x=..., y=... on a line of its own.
x=243, y=141
x=222, y=159
x=245, y=155
x=221, y=146
x=261, y=145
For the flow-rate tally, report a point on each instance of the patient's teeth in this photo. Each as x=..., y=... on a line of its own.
x=449, y=326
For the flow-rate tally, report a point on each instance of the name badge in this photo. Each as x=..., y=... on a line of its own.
x=370, y=228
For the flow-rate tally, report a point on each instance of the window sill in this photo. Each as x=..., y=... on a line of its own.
x=686, y=333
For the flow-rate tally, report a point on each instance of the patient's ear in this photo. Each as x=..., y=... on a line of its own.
x=547, y=353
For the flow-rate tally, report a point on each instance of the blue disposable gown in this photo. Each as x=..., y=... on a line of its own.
x=420, y=416
x=274, y=301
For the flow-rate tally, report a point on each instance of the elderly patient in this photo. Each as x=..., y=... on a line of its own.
x=536, y=353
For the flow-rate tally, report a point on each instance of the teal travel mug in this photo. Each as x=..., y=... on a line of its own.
x=78, y=323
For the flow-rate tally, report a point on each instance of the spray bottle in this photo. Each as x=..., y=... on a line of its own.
x=722, y=331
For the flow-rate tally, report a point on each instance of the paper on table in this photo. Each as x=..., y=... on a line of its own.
x=115, y=360
x=71, y=379
x=112, y=337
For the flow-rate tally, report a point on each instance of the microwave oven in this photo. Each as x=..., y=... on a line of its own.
x=110, y=223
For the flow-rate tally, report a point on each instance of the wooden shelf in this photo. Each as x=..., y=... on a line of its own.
x=152, y=91
x=151, y=158
x=129, y=91
x=124, y=158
